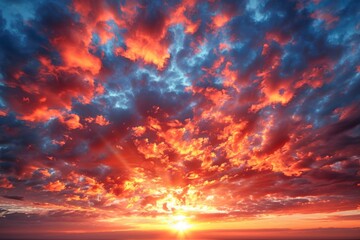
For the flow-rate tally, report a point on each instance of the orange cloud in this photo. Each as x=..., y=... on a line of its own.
x=146, y=38
x=99, y=119
x=96, y=14
x=144, y=46
x=223, y=16
x=314, y=76
x=72, y=121
x=44, y=172
x=220, y=20
x=56, y=186
x=138, y=131
x=230, y=77
x=75, y=52
x=41, y=114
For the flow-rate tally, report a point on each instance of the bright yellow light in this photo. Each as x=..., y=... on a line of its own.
x=180, y=224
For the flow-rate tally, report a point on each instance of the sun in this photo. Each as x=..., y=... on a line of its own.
x=180, y=224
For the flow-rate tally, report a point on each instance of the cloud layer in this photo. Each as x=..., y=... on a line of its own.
x=216, y=109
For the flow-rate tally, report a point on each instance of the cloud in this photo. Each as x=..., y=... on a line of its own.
x=146, y=39
x=19, y=198
x=222, y=110
x=56, y=186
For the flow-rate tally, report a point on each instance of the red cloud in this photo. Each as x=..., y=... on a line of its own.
x=96, y=14
x=4, y=183
x=146, y=40
x=41, y=114
x=178, y=16
x=3, y=112
x=278, y=37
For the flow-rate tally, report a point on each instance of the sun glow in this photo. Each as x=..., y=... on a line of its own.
x=180, y=224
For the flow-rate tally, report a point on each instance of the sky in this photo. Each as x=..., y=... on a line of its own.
x=138, y=116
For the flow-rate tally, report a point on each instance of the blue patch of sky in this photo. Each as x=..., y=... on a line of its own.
x=47, y=145
x=11, y=11
x=118, y=99
x=175, y=78
x=254, y=7
x=201, y=56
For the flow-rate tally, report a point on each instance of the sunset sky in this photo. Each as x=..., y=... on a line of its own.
x=181, y=117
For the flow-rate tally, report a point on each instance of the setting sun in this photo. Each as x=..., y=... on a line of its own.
x=180, y=224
